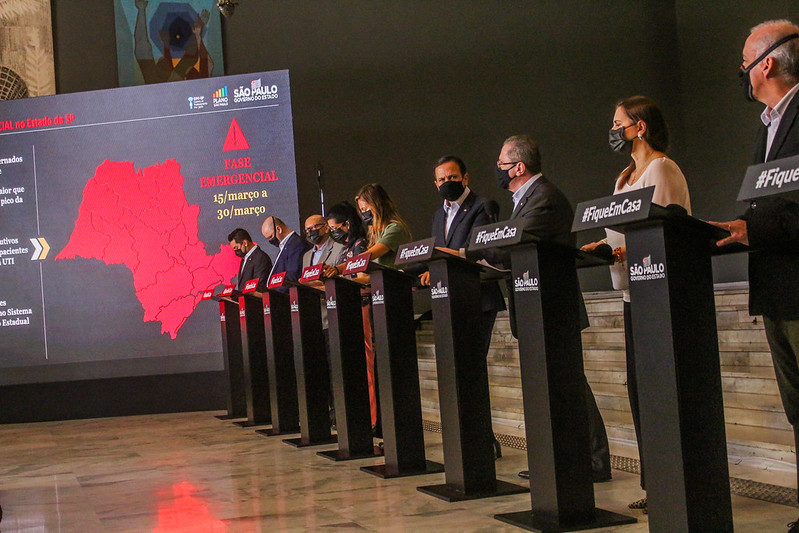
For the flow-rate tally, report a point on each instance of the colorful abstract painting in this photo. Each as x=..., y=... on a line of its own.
x=161, y=41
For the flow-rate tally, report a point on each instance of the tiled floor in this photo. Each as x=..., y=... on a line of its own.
x=193, y=473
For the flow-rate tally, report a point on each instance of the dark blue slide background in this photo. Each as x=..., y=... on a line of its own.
x=94, y=322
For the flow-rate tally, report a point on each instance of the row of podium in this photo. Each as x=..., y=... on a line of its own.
x=278, y=371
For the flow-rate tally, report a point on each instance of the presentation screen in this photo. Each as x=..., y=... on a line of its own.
x=115, y=207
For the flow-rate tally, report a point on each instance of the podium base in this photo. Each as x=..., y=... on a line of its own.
x=271, y=432
x=386, y=472
x=248, y=424
x=229, y=417
x=526, y=520
x=339, y=455
x=299, y=443
x=448, y=493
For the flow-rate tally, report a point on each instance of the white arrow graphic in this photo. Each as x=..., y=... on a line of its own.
x=41, y=249
x=38, y=249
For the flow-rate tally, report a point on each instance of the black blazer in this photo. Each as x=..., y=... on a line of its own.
x=290, y=259
x=258, y=265
x=475, y=211
x=773, y=230
x=548, y=214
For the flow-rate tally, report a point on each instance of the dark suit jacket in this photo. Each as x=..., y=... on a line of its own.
x=548, y=214
x=472, y=213
x=773, y=230
x=258, y=266
x=290, y=259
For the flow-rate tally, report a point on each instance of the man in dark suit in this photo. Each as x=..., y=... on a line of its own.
x=290, y=247
x=255, y=263
x=770, y=75
x=547, y=213
x=461, y=211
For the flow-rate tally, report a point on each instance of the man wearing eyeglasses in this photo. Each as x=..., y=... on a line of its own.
x=770, y=75
x=324, y=249
x=548, y=214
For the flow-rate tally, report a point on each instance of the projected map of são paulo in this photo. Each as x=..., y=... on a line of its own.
x=141, y=219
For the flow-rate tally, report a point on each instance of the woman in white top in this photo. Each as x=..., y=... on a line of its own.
x=640, y=131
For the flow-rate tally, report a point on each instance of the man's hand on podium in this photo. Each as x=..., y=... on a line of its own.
x=449, y=251
x=737, y=229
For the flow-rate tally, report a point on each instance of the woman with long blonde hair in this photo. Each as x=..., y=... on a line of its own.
x=387, y=229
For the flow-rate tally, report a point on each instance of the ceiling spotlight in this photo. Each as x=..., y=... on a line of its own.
x=226, y=7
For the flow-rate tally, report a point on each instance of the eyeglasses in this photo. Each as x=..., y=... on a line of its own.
x=500, y=163
x=316, y=226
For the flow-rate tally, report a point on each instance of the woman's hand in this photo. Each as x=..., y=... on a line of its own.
x=620, y=254
x=591, y=246
x=424, y=278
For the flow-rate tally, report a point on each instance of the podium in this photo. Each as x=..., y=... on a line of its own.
x=677, y=365
x=348, y=369
x=462, y=377
x=280, y=364
x=253, y=356
x=231, y=353
x=547, y=302
x=310, y=363
x=398, y=373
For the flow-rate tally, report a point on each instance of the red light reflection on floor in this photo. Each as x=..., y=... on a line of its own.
x=187, y=513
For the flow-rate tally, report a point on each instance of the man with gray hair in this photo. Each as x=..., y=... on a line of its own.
x=770, y=75
x=547, y=213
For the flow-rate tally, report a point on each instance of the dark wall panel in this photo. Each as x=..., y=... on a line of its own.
x=140, y=395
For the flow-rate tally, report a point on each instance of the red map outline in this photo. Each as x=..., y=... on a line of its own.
x=142, y=220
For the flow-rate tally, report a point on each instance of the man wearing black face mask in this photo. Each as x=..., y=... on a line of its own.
x=324, y=250
x=255, y=263
x=770, y=75
x=290, y=247
x=452, y=225
x=547, y=213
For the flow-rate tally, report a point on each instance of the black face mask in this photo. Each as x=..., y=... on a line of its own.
x=339, y=235
x=239, y=252
x=367, y=217
x=274, y=241
x=314, y=236
x=617, y=141
x=503, y=177
x=451, y=190
x=743, y=73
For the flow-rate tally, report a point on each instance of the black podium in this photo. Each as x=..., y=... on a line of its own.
x=231, y=353
x=398, y=374
x=310, y=363
x=462, y=377
x=547, y=306
x=677, y=365
x=280, y=364
x=347, y=368
x=253, y=356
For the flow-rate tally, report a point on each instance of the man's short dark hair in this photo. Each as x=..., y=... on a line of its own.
x=525, y=149
x=457, y=160
x=239, y=235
